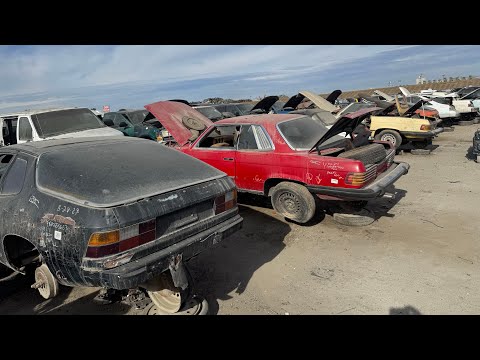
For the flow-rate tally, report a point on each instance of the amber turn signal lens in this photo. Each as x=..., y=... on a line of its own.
x=105, y=238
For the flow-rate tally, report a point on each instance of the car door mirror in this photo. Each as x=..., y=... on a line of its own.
x=123, y=124
x=108, y=122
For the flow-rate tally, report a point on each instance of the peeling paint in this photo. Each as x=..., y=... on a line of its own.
x=171, y=197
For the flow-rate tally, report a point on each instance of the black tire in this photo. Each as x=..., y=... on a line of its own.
x=360, y=218
x=390, y=135
x=420, y=152
x=368, y=154
x=293, y=201
x=465, y=122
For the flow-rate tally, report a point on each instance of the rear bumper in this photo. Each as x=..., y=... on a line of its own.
x=371, y=191
x=422, y=134
x=134, y=273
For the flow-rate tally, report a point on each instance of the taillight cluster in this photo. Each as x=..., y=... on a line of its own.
x=226, y=202
x=355, y=178
x=425, y=127
x=113, y=242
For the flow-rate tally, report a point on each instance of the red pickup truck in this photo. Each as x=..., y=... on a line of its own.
x=290, y=157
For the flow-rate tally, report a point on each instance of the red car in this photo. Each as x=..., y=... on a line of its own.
x=290, y=157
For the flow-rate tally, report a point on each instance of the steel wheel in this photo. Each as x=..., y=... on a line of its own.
x=390, y=138
x=289, y=203
x=194, y=306
x=165, y=295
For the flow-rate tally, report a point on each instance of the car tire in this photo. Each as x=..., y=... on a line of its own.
x=193, y=123
x=465, y=122
x=390, y=135
x=293, y=201
x=363, y=217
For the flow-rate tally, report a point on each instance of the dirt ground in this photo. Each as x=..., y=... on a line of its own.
x=420, y=256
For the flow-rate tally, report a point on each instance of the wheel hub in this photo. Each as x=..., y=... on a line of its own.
x=390, y=138
x=290, y=202
x=166, y=297
x=45, y=282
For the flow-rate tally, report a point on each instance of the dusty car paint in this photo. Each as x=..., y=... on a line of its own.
x=174, y=203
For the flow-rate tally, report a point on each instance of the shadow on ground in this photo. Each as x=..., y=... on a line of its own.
x=406, y=310
x=383, y=205
x=469, y=155
x=228, y=267
x=265, y=202
x=17, y=298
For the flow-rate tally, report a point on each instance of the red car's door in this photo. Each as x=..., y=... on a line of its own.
x=217, y=148
x=254, y=159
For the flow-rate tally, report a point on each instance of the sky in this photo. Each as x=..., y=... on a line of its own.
x=131, y=76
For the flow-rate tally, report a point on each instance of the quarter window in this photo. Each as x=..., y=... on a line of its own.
x=24, y=129
x=15, y=177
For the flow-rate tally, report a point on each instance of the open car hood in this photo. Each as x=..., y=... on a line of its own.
x=346, y=123
x=334, y=96
x=183, y=122
x=265, y=104
x=384, y=107
x=294, y=101
x=319, y=101
x=411, y=110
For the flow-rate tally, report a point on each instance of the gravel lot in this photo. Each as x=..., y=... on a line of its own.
x=420, y=256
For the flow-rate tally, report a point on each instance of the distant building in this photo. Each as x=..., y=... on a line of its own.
x=420, y=79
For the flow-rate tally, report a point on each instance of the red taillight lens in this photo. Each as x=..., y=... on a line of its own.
x=425, y=127
x=113, y=242
x=355, y=178
x=226, y=202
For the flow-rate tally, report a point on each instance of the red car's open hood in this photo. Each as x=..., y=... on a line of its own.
x=182, y=121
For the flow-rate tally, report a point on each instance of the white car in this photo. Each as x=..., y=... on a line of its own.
x=446, y=111
x=38, y=125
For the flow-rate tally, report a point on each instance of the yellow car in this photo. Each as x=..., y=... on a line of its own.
x=409, y=131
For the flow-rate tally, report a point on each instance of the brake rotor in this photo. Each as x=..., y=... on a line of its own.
x=193, y=124
x=194, y=306
x=45, y=282
x=164, y=294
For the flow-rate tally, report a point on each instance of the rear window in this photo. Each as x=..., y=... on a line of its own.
x=66, y=121
x=302, y=133
x=117, y=172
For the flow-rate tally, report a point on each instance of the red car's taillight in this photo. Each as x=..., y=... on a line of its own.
x=113, y=242
x=226, y=202
x=355, y=178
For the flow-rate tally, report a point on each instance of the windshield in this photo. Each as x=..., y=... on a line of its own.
x=210, y=112
x=245, y=108
x=278, y=105
x=325, y=117
x=66, y=121
x=137, y=117
x=472, y=96
x=301, y=133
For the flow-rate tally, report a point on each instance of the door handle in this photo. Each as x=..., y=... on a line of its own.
x=228, y=159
